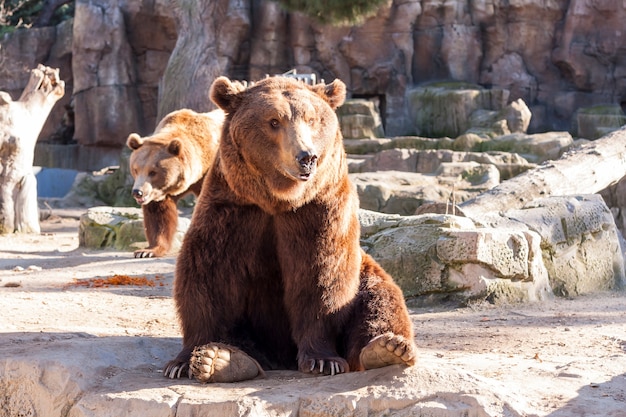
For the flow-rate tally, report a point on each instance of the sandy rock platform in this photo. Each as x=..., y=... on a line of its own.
x=74, y=342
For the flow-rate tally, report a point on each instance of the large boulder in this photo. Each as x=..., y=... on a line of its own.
x=119, y=228
x=536, y=148
x=438, y=257
x=429, y=161
x=359, y=118
x=582, y=247
x=596, y=121
x=403, y=192
x=444, y=109
x=559, y=245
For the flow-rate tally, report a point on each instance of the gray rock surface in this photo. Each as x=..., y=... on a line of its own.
x=535, y=148
x=582, y=247
x=403, y=192
x=120, y=228
x=393, y=156
x=559, y=245
x=104, y=76
x=71, y=348
x=535, y=50
x=359, y=119
x=597, y=121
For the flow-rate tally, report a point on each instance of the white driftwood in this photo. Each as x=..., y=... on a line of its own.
x=20, y=124
x=587, y=169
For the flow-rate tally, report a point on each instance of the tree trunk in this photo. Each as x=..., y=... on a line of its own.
x=587, y=169
x=20, y=124
x=209, y=37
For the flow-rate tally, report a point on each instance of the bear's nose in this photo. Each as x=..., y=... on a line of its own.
x=306, y=158
x=137, y=193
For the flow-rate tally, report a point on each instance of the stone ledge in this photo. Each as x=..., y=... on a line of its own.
x=80, y=375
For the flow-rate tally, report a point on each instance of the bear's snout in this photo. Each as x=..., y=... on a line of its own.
x=307, y=162
x=138, y=195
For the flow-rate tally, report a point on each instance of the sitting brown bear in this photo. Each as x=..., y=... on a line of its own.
x=168, y=165
x=271, y=273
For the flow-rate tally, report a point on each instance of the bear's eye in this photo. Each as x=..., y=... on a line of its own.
x=152, y=174
x=274, y=123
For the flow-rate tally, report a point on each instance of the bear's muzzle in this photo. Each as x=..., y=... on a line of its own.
x=307, y=162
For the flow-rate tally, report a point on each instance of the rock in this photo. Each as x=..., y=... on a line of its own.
x=597, y=121
x=99, y=226
x=359, y=118
x=455, y=109
x=365, y=146
x=444, y=109
x=582, y=248
x=468, y=142
x=587, y=48
x=87, y=375
x=536, y=148
x=518, y=116
x=104, y=76
x=403, y=192
x=487, y=123
x=109, y=186
x=444, y=256
x=428, y=161
x=119, y=228
x=558, y=245
x=479, y=177
x=563, y=245
x=615, y=198
x=505, y=46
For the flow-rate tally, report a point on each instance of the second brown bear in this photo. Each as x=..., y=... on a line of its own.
x=271, y=274
x=168, y=165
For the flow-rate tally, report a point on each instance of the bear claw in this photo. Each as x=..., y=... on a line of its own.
x=142, y=253
x=217, y=362
x=175, y=370
x=333, y=367
x=388, y=349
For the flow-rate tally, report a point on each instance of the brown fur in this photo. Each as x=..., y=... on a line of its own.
x=272, y=262
x=168, y=165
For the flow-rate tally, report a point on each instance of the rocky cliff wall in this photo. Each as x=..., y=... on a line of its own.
x=116, y=57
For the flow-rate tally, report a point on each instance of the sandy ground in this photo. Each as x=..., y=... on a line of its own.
x=564, y=357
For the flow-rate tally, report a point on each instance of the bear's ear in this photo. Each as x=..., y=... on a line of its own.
x=334, y=93
x=174, y=147
x=134, y=141
x=225, y=94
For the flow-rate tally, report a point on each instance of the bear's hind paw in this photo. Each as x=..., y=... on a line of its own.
x=217, y=362
x=388, y=349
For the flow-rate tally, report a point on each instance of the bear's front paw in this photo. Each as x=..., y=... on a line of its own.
x=388, y=349
x=325, y=366
x=217, y=362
